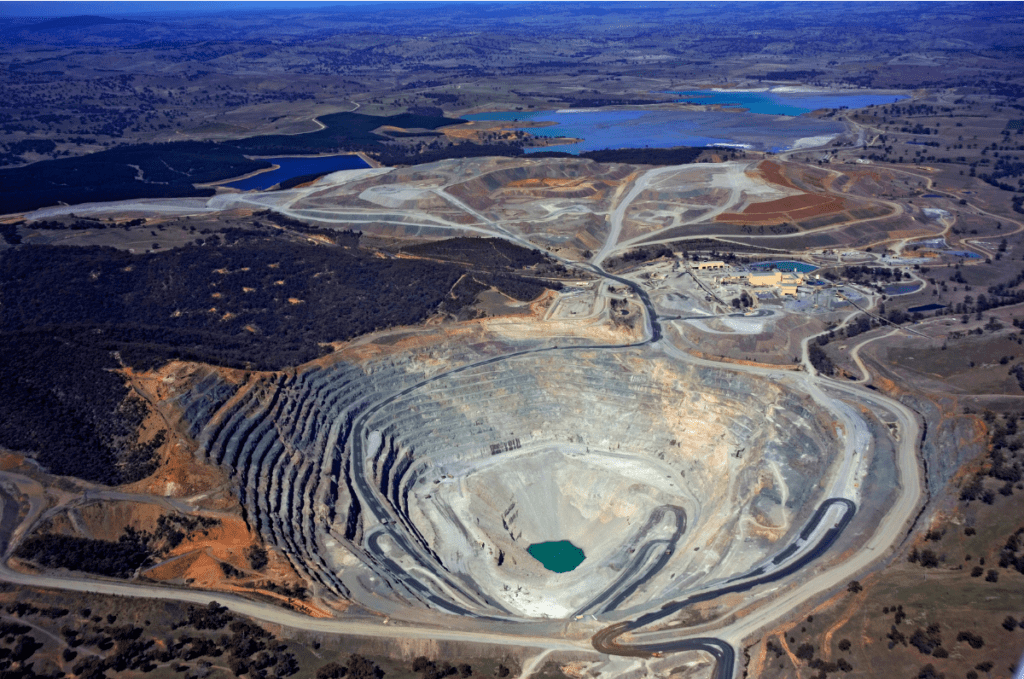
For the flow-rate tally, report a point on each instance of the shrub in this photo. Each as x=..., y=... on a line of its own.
x=333, y=670
x=257, y=557
x=929, y=559
x=974, y=640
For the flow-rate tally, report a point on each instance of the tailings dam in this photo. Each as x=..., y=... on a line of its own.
x=419, y=475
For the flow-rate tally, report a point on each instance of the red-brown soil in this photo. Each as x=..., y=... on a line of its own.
x=772, y=172
x=788, y=209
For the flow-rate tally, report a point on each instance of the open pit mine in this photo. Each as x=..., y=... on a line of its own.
x=418, y=475
x=573, y=473
x=685, y=504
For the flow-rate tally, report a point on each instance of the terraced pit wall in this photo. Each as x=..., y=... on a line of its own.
x=395, y=466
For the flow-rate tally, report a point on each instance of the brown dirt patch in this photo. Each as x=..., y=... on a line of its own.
x=477, y=134
x=910, y=233
x=176, y=569
x=204, y=570
x=226, y=542
x=873, y=175
x=107, y=520
x=769, y=533
x=180, y=473
x=740, y=361
x=773, y=172
x=549, y=182
x=758, y=220
x=788, y=209
x=793, y=203
x=197, y=561
x=558, y=187
x=10, y=461
x=484, y=131
x=756, y=667
x=60, y=524
x=827, y=206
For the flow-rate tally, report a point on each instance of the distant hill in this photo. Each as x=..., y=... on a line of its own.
x=82, y=21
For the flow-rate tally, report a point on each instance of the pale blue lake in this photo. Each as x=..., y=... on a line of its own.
x=774, y=122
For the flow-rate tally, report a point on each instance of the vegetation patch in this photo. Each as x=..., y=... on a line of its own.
x=61, y=401
x=202, y=304
x=118, y=559
x=485, y=253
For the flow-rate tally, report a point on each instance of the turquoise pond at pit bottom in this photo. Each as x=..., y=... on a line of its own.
x=560, y=557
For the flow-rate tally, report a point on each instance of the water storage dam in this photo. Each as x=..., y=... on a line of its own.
x=420, y=477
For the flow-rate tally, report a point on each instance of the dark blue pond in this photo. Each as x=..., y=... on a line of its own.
x=902, y=288
x=297, y=166
x=926, y=307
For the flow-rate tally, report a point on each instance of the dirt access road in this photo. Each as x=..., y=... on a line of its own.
x=611, y=243
x=280, y=616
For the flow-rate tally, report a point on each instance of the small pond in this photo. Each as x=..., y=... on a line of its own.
x=802, y=267
x=926, y=307
x=297, y=166
x=560, y=557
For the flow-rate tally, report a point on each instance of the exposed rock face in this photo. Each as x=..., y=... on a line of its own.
x=434, y=480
